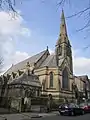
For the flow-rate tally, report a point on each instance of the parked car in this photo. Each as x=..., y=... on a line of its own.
x=85, y=106
x=89, y=106
x=70, y=109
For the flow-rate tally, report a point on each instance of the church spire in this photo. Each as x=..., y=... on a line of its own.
x=63, y=47
x=63, y=30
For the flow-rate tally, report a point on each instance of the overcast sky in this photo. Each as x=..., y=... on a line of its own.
x=38, y=26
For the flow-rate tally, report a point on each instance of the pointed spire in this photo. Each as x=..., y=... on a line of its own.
x=63, y=30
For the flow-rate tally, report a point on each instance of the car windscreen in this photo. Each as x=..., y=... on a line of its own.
x=71, y=105
x=89, y=103
x=82, y=104
x=64, y=106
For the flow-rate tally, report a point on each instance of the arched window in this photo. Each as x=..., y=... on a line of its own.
x=65, y=80
x=51, y=79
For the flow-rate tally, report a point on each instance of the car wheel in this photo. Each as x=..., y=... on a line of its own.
x=61, y=113
x=83, y=112
x=72, y=113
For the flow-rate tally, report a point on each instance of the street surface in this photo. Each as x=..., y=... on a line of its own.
x=42, y=116
x=58, y=117
x=26, y=116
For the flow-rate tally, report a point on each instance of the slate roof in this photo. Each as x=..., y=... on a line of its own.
x=83, y=77
x=51, y=61
x=22, y=65
x=31, y=80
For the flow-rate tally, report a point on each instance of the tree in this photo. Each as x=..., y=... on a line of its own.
x=10, y=5
x=1, y=64
x=7, y=4
x=79, y=13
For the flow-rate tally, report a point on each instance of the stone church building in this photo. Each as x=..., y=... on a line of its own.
x=55, y=71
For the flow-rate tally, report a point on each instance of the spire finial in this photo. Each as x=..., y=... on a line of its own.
x=47, y=47
x=62, y=11
x=62, y=18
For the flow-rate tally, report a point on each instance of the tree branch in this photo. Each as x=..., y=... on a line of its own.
x=1, y=64
x=79, y=13
x=84, y=48
x=86, y=26
x=8, y=4
x=61, y=2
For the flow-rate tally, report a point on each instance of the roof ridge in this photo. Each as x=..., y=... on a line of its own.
x=30, y=57
x=21, y=65
x=82, y=76
x=23, y=61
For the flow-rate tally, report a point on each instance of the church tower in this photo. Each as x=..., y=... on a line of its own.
x=63, y=47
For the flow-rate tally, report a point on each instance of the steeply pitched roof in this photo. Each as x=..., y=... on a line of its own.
x=83, y=77
x=51, y=61
x=31, y=80
x=22, y=64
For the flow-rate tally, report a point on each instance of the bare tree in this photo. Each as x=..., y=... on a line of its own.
x=1, y=64
x=10, y=5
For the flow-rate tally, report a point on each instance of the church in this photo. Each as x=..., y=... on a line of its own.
x=53, y=73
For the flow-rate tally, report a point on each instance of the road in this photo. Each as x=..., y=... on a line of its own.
x=52, y=116
x=58, y=117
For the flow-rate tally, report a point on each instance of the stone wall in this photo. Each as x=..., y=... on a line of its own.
x=16, y=104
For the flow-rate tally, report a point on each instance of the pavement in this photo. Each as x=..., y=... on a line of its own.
x=58, y=117
x=40, y=116
x=10, y=115
x=26, y=116
x=43, y=116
